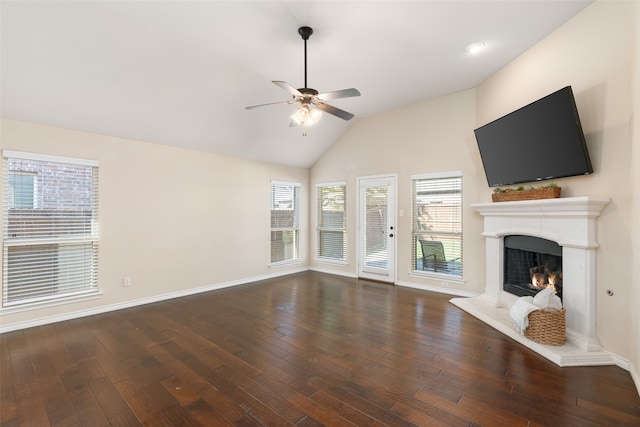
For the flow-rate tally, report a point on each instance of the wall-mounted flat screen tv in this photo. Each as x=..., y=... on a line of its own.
x=542, y=140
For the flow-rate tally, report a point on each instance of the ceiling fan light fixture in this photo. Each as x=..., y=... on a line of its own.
x=306, y=116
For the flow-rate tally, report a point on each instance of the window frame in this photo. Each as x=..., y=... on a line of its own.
x=54, y=244
x=456, y=237
x=294, y=228
x=322, y=228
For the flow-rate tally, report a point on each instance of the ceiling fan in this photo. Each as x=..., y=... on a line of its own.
x=311, y=103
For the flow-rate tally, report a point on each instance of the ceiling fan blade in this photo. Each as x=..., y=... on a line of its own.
x=251, y=107
x=286, y=86
x=335, y=111
x=344, y=93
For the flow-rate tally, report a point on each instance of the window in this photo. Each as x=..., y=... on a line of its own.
x=22, y=192
x=437, y=224
x=332, y=217
x=50, y=231
x=285, y=233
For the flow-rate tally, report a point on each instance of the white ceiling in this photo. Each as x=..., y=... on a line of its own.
x=181, y=72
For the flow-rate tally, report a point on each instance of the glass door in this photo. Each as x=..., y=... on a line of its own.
x=376, y=228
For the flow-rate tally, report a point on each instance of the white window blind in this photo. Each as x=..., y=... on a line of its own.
x=285, y=233
x=437, y=223
x=50, y=228
x=331, y=221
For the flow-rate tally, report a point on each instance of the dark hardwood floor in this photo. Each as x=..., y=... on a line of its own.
x=308, y=349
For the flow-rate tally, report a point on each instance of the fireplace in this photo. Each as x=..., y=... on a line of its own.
x=569, y=223
x=531, y=264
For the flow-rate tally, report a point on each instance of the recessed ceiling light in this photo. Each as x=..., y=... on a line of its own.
x=475, y=47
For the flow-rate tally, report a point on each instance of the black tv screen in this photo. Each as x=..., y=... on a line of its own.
x=542, y=140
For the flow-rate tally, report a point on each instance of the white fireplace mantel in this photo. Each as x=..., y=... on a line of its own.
x=571, y=222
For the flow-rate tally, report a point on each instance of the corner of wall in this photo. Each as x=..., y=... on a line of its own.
x=635, y=131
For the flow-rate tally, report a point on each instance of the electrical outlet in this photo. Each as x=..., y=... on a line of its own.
x=126, y=281
x=444, y=284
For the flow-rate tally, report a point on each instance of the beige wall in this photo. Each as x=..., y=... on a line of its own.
x=429, y=137
x=174, y=220
x=594, y=54
x=635, y=226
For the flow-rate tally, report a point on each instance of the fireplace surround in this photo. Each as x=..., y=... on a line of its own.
x=571, y=223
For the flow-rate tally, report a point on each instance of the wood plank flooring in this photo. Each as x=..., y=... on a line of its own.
x=308, y=349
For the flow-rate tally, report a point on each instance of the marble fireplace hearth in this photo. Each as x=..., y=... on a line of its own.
x=570, y=222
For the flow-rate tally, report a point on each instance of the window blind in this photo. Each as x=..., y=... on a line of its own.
x=331, y=221
x=285, y=233
x=50, y=228
x=437, y=223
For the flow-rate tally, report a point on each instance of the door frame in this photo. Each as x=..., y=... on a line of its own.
x=392, y=245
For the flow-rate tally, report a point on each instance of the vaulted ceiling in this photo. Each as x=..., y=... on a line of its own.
x=181, y=72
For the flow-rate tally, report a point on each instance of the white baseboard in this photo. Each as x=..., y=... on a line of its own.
x=336, y=272
x=628, y=366
x=620, y=362
x=438, y=289
x=142, y=301
x=634, y=376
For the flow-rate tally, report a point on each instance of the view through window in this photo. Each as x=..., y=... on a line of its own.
x=285, y=232
x=437, y=223
x=332, y=219
x=50, y=244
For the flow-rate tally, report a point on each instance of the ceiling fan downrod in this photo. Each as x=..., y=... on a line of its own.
x=305, y=33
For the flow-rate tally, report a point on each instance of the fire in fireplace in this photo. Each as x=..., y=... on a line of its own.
x=531, y=264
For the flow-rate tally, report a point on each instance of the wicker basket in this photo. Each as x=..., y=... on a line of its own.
x=547, y=326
